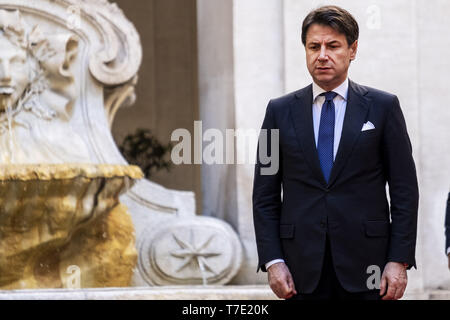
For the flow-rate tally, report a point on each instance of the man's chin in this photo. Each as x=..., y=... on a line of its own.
x=324, y=78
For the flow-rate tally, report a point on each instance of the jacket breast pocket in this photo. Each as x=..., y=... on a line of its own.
x=368, y=137
x=287, y=231
x=367, y=148
x=377, y=228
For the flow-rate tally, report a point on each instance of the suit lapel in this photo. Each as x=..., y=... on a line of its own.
x=355, y=117
x=301, y=111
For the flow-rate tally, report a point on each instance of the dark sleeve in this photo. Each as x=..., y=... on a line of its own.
x=403, y=188
x=267, y=193
x=447, y=225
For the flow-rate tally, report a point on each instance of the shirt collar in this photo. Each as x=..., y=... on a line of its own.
x=341, y=90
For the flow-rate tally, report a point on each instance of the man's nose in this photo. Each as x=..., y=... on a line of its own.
x=5, y=71
x=323, y=53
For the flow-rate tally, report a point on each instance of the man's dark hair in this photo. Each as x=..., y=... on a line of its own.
x=337, y=18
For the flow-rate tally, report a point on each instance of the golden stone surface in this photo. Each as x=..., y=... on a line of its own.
x=63, y=226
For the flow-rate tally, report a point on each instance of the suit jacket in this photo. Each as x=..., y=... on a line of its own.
x=447, y=225
x=295, y=208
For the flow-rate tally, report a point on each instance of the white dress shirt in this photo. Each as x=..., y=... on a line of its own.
x=340, y=104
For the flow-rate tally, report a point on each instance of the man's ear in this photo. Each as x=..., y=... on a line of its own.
x=353, y=50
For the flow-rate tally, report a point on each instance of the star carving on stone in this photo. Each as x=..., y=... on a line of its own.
x=190, y=252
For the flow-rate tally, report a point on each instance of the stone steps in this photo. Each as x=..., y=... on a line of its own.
x=175, y=293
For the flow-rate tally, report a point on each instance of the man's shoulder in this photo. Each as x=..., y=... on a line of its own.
x=374, y=93
x=287, y=99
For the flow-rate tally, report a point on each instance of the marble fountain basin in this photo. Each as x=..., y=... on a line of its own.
x=62, y=226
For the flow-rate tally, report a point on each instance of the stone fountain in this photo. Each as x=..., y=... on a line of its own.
x=59, y=219
x=59, y=211
x=72, y=211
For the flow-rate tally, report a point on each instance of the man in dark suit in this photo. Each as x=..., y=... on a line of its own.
x=322, y=221
x=447, y=230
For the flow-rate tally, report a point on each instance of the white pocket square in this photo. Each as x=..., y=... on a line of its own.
x=368, y=126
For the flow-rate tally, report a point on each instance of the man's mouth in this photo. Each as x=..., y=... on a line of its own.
x=6, y=90
x=323, y=68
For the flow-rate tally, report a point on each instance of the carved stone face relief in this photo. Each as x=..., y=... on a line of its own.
x=14, y=73
x=37, y=93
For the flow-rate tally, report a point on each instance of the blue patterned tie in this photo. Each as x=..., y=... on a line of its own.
x=325, y=146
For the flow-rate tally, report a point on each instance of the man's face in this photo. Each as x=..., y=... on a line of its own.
x=13, y=73
x=328, y=56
